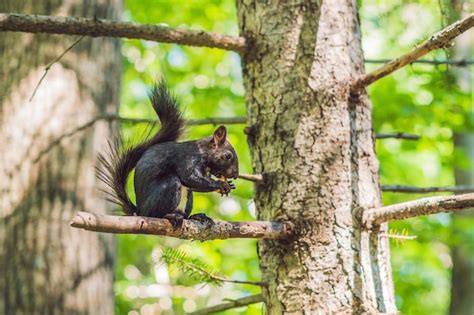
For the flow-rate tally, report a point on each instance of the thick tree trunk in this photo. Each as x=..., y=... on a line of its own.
x=46, y=266
x=462, y=276
x=315, y=145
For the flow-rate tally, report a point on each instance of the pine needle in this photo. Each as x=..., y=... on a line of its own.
x=399, y=237
x=195, y=268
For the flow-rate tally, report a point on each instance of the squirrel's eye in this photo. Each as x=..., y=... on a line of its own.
x=228, y=155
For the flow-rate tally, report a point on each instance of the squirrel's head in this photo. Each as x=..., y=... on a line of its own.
x=221, y=156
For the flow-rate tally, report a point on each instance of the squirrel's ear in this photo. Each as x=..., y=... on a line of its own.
x=219, y=137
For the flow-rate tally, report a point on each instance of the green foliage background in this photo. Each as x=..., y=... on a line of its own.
x=420, y=99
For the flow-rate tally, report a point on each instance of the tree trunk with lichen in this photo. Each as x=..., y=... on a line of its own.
x=314, y=144
x=46, y=266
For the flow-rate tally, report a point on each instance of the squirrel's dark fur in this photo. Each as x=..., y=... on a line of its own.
x=166, y=171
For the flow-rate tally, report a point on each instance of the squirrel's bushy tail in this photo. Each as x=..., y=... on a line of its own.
x=115, y=166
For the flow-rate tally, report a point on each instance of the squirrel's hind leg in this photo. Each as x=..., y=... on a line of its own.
x=160, y=197
x=201, y=217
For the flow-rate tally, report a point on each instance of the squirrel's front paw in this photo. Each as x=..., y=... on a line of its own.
x=226, y=187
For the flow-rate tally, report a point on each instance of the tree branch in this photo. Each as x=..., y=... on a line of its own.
x=46, y=69
x=417, y=208
x=110, y=117
x=65, y=135
x=438, y=40
x=190, y=122
x=397, y=135
x=251, y=177
x=98, y=27
x=191, y=229
x=420, y=190
x=258, y=298
x=456, y=63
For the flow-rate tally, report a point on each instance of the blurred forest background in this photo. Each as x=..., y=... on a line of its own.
x=421, y=99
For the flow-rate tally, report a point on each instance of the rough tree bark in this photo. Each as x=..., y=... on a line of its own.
x=315, y=145
x=46, y=266
x=462, y=274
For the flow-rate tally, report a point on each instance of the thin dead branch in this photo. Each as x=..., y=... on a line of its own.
x=46, y=69
x=98, y=27
x=258, y=298
x=397, y=135
x=111, y=117
x=438, y=40
x=252, y=177
x=66, y=135
x=455, y=63
x=421, y=190
x=417, y=208
x=190, y=230
x=190, y=122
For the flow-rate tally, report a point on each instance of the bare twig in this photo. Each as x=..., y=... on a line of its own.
x=66, y=135
x=420, y=190
x=98, y=27
x=257, y=178
x=400, y=237
x=46, y=69
x=439, y=40
x=397, y=135
x=190, y=230
x=190, y=122
x=252, y=177
x=258, y=298
x=217, y=120
x=456, y=63
x=417, y=208
x=219, y=278
x=110, y=117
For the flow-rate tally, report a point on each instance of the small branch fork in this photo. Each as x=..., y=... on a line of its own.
x=98, y=27
x=46, y=69
x=417, y=208
x=191, y=229
x=258, y=298
x=438, y=40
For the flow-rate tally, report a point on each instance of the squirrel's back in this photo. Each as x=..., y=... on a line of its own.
x=115, y=167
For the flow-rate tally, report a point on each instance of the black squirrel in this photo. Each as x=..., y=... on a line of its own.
x=167, y=172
